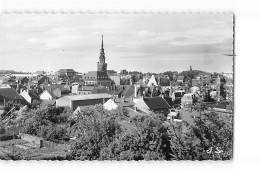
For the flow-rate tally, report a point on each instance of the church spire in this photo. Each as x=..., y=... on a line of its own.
x=102, y=65
x=102, y=53
x=102, y=45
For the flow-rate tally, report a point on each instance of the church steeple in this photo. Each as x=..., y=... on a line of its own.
x=102, y=57
x=102, y=45
x=102, y=66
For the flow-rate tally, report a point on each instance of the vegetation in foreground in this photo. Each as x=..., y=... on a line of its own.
x=114, y=135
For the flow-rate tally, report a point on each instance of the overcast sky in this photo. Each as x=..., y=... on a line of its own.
x=147, y=43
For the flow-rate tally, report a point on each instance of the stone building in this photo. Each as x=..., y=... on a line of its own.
x=100, y=76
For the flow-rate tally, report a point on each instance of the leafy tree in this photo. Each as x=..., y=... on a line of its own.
x=209, y=137
x=43, y=122
x=106, y=135
x=222, y=91
x=95, y=129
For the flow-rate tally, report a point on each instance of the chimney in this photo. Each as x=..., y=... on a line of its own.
x=135, y=91
x=17, y=87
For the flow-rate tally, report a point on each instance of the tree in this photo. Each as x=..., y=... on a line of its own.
x=43, y=122
x=209, y=137
x=222, y=91
x=95, y=129
x=108, y=135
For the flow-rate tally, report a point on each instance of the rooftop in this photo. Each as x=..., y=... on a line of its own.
x=156, y=102
x=87, y=97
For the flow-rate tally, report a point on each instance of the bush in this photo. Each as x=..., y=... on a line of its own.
x=5, y=137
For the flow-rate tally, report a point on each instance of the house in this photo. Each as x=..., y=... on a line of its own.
x=164, y=82
x=9, y=97
x=78, y=89
x=123, y=72
x=52, y=75
x=97, y=78
x=152, y=82
x=66, y=73
x=79, y=109
x=29, y=95
x=17, y=87
x=180, y=79
x=43, y=80
x=111, y=72
x=115, y=79
x=23, y=80
x=100, y=76
x=22, y=75
x=118, y=102
x=40, y=73
x=58, y=90
x=153, y=104
x=126, y=91
x=73, y=101
x=89, y=89
x=100, y=90
x=47, y=95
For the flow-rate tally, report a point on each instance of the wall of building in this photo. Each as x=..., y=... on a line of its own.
x=46, y=96
x=63, y=102
x=77, y=103
x=26, y=96
x=110, y=104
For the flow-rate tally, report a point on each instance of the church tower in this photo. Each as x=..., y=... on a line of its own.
x=102, y=65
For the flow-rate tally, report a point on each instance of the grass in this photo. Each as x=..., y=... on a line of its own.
x=32, y=153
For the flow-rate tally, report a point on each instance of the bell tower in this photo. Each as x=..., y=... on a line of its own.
x=102, y=65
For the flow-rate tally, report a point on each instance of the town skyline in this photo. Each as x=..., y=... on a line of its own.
x=64, y=42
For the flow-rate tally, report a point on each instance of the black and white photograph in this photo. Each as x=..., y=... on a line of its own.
x=117, y=87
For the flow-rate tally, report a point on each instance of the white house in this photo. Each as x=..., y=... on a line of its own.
x=110, y=104
x=29, y=95
x=118, y=102
x=152, y=81
x=47, y=95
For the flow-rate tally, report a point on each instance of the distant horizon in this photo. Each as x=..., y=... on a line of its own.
x=146, y=43
x=32, y=72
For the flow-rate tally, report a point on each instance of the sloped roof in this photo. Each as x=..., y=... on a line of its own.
x=152, y=81
x=124, y=102
x=164, y=81
x=66, y=70
x=85, y=88
x=20, y=86
x=128, y=91
x=100, y=89
x=156, y=103
x=96, y=75
x=10, y=94
x=49, y=93
x=33, y=94
x=58, y=86
x=87, y=97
